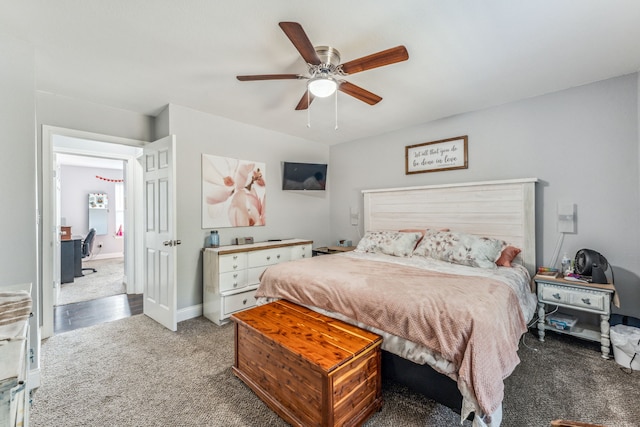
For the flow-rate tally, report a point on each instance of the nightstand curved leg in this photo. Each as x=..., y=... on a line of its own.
x=541, y=321
x=605, y=341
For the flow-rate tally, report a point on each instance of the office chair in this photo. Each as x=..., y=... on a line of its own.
x=87, y=247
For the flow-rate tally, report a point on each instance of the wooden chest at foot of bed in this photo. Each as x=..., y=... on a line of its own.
x=312, y=370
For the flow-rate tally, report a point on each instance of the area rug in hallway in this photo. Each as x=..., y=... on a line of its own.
x=108, y=280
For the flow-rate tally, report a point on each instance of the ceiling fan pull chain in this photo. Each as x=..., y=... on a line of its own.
x=336, y=97
x=308, y=110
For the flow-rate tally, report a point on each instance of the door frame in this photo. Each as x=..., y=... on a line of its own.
x=134, y=214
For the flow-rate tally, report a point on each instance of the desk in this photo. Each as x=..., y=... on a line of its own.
x=70, y=260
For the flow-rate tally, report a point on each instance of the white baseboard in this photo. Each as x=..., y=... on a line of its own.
x=189, y=312
x=33, y=379
x=105, y=256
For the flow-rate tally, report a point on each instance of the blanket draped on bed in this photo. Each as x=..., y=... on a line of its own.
x=473, y=322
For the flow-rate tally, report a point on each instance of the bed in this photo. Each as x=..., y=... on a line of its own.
x=424, y=276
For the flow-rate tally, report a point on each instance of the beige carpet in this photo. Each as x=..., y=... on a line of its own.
x=105, y=282
x=133, y=372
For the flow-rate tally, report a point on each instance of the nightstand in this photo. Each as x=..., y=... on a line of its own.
x=577, y=296
x=327, y=250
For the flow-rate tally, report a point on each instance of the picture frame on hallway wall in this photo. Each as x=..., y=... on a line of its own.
x=436, y=156
x=233, y=192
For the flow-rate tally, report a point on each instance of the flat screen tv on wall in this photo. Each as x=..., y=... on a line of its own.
x=304, y=176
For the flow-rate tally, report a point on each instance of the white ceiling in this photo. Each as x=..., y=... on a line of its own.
x=464, y=55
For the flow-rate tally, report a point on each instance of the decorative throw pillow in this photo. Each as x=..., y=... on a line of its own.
x=460, y=248
x=389, y=242
x=508, y=254
x=422, y=232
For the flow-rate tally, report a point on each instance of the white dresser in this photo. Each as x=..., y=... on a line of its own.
x=231, y=274
x=14, y=342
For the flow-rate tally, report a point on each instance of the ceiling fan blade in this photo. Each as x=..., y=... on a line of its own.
x=305, y=101
x=299, y=38
x=270, y=77
x=359, y=93
x=385, y=57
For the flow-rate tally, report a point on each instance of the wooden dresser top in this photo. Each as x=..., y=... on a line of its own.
x=322, y=340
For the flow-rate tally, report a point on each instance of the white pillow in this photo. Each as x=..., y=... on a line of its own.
x=389, y=242
x=460, y=248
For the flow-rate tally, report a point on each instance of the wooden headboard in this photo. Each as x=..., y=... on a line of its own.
x=499, y=209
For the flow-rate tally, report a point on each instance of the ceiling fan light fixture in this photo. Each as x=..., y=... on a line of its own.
x=322, y=86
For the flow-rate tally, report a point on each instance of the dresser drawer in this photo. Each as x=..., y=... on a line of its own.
x=237, y=302
x=301, y=251
x=553, y=294
x=233, y=280
x=269, y=256
x=253, y=274
x=232, y=262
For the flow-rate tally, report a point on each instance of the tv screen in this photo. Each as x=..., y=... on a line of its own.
x=304, y=176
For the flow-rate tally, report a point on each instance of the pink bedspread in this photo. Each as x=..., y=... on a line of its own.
x=474, y=322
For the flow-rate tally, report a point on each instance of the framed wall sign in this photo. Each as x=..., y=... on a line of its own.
x=442, y=155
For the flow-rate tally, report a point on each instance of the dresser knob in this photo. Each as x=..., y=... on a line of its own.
x=235, y=257
x=556, y=296
x=586, y=301
x=278, y=256
x=244, y=302
x=235, y=284
x=235, y=266
x=235, y=275
x=304, y=255
x=268, y=258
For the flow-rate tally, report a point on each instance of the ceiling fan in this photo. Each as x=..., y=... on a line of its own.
x=325, y=69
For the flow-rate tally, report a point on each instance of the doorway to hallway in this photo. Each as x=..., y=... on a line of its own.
x=91, y=148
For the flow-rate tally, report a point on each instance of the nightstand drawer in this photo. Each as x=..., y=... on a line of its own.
x=589, y=300
x=553, y=294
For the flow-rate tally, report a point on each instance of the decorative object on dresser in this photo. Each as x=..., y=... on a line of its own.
x=309, y=368
x=231, y=274
x=577, y=296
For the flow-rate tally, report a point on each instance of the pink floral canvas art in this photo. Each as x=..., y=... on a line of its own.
x=233, y=192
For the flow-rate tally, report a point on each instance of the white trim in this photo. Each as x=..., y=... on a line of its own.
x=189, y=313
x=105, y=256
x=134, y=192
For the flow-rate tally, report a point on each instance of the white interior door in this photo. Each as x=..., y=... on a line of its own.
x=160, y=244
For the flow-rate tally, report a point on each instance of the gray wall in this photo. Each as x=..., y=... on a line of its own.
x=289, y=214
x=76, y=182
x=19, y=249
x=582, y=144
